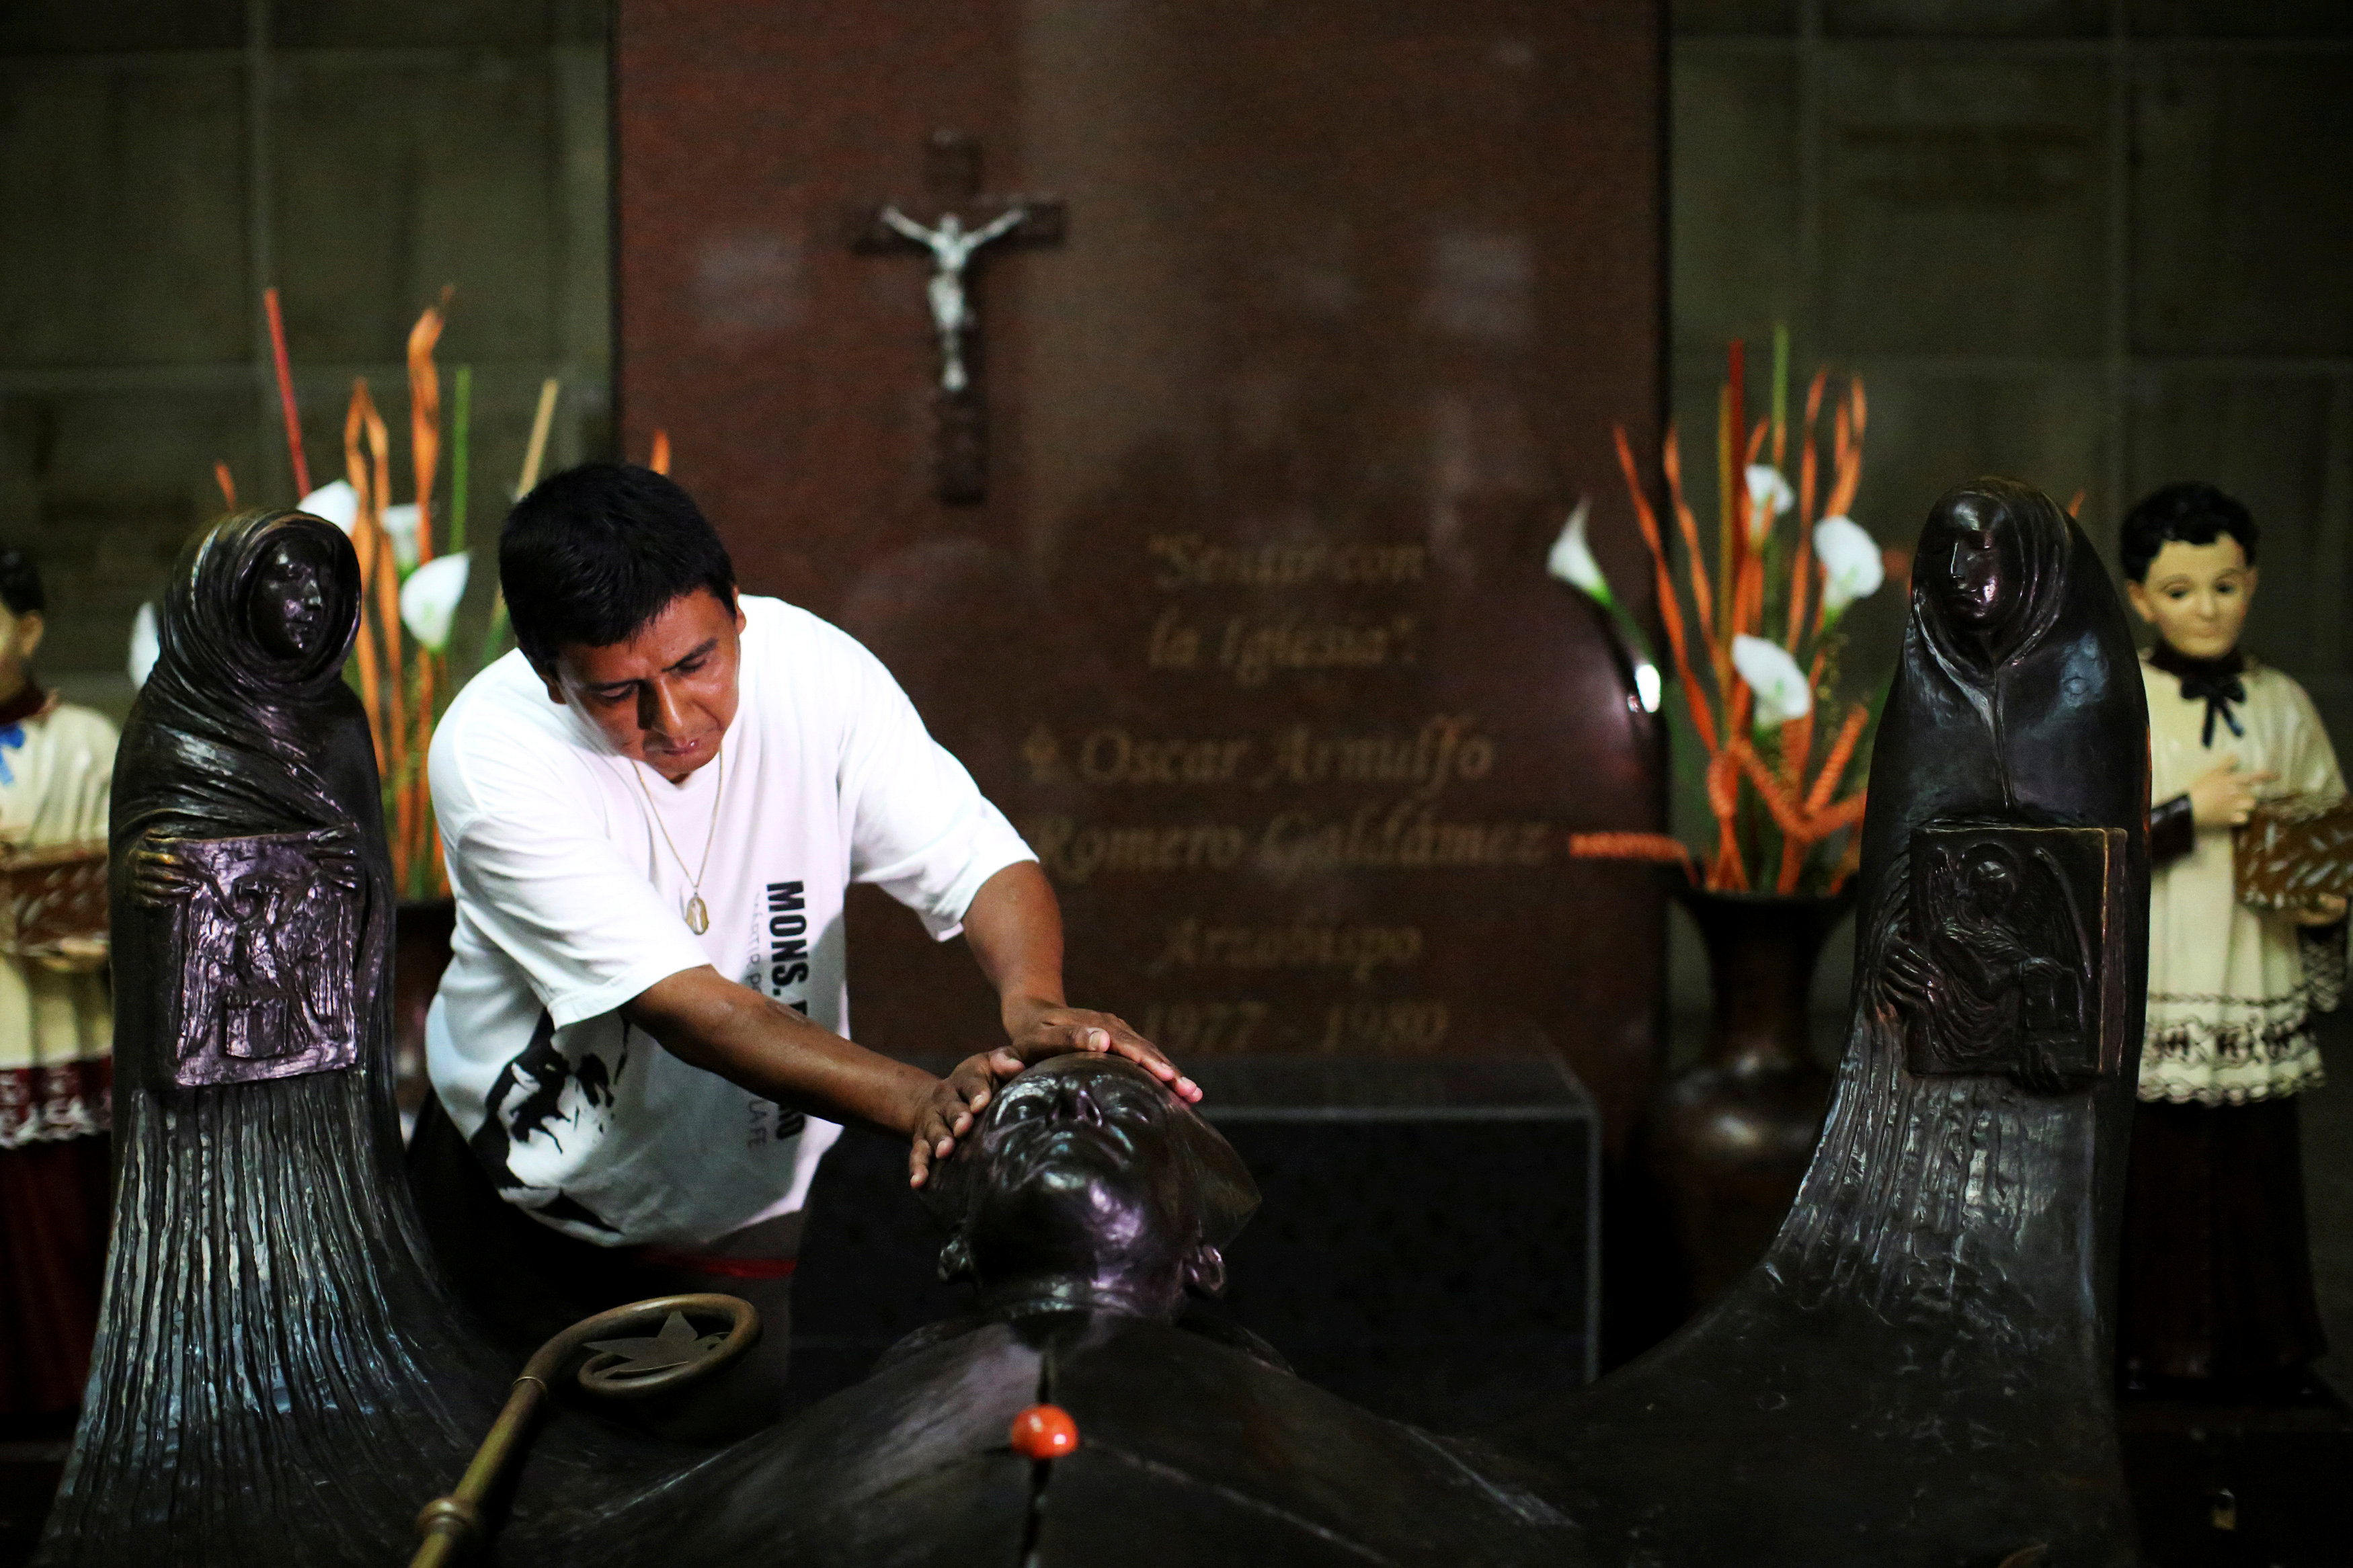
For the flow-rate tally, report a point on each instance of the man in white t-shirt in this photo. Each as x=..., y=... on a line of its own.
x=651, y=811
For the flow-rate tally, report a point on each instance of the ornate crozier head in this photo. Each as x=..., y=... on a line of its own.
x=1088, y=1185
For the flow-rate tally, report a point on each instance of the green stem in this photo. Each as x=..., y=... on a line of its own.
x=496, y=635
x=460, y=421
x=1780, y=381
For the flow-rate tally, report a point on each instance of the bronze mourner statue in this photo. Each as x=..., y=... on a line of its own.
x=1916, y=1373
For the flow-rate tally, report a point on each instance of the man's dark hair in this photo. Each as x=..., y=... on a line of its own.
x=20, y=583
x=595, y=553
x=2190, y=512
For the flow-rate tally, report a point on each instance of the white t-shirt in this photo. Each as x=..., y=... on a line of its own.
x=570, y=904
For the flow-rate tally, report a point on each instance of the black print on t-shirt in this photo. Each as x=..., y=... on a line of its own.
x=788, y=937
x=787, y=943
x=787, y=967
x=535, y=1081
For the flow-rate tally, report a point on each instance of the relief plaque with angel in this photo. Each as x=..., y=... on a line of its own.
x=2004, y=964
x=264, y=931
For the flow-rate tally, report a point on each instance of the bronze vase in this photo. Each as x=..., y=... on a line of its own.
x=1730, y=1136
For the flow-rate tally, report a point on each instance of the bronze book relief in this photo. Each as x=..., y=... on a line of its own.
x=2015, y=962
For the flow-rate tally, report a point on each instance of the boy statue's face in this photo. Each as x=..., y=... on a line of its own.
x=2197, y=596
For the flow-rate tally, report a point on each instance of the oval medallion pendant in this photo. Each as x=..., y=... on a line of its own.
x=697, y=918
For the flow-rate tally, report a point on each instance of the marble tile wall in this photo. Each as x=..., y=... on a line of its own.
x=162, y=160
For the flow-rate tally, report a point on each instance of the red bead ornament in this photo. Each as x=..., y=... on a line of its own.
x=1044, y=1431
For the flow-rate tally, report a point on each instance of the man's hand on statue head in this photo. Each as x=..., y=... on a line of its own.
x=950, y=1109
x=1042, y=1030
x=1015, y=928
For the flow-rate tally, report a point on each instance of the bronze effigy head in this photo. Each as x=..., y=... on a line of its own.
x=1087, y=1177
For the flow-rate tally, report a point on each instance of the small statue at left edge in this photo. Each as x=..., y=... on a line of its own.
x=56, y=1033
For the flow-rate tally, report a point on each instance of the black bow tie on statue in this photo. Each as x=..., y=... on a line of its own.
x=2214, y=680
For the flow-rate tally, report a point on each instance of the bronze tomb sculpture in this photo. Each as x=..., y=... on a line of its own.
x=1917, y=1374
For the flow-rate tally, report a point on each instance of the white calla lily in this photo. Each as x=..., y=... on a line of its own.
x=1572, y=560
x=1782, y=693
x=428, y=600
x=146, y=645
x=400, y=526
x=1852, y=565
x=1769, y=496
x=337, y=502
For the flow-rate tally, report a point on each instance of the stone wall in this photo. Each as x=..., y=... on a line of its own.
x=162, y=160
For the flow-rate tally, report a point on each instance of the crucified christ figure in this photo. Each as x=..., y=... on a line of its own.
x=952, y=246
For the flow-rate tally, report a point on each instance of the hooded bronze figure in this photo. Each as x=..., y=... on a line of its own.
x=280, y=1374
x=261, y=1262
x=1918, y=1370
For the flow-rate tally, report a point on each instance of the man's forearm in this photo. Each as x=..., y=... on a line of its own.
x=1015, y=930
x=764, y=1047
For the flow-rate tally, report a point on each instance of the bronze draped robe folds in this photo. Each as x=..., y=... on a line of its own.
x=266, y=1271
x=1918, y=1371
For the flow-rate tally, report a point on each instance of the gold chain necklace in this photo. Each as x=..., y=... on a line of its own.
x=698, y=917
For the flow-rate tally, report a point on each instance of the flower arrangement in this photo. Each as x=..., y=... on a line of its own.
x=405, y=588
x=1756, y=655
x=412, y=580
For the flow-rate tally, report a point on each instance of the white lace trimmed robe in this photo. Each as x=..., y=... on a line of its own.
x=2231, y=991
x=57, y=1029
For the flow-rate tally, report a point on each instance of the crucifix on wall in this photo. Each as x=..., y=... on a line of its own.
x=953, y=226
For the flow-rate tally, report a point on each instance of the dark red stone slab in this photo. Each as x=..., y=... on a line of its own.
x=1252, y=634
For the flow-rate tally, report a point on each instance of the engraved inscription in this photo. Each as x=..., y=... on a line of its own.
x=2006, y=964
x=265, y=937
x=1204, y=1028
x=1403, y=1027
x=1444, y=748
x=1189, y=561
x=1356, y=951
x=1298, y=811
x=1447, y=747
x=1396, y=836
x=1251, y=649
x=1411, y=1026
